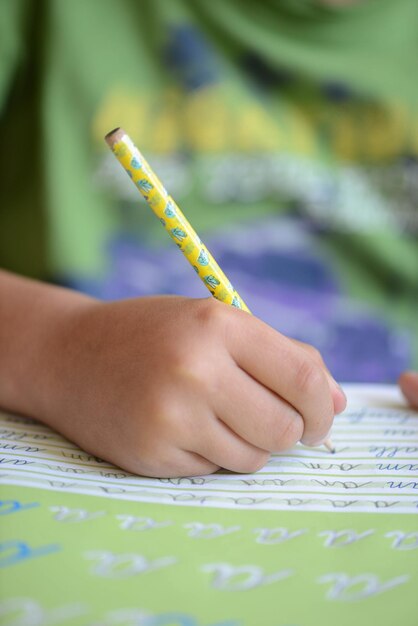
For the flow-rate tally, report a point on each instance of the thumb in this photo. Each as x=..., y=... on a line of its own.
x=408, y=382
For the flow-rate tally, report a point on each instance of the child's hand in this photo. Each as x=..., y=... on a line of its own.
x=168, y=386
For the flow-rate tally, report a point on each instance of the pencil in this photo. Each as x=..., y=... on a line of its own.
x=172, y=218
x=175, y=223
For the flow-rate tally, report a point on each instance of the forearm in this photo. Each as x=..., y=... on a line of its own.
x=31, y=315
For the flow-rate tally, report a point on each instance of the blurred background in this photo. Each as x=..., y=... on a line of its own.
x=286, y=130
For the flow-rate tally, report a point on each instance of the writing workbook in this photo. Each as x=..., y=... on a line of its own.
x=311, y=538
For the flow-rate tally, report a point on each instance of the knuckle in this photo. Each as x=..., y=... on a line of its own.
x=195, y=375
x=289, y=432
x=206, y=311
x=210, y=313
x=315, y=354
x=309, y=377
x=165, y=422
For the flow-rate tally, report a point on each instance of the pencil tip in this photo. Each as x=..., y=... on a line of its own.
x=330, y=446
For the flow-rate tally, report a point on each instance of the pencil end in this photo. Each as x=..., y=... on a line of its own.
x=114, y=135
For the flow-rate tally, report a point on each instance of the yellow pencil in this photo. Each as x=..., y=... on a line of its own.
x=173, y=220
x=175, y=223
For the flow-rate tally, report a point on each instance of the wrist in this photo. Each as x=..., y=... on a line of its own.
x=33, y=319
x=54, y=357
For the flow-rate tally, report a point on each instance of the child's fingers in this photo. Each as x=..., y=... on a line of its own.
x=338, y=395
x=255, y=413
x=286, y=369
x=221, y=446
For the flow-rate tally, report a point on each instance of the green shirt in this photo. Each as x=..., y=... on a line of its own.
x=251, y=113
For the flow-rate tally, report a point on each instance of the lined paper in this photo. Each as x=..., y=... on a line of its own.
x=374, y=469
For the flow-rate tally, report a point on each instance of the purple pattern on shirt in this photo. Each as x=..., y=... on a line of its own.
x=286, y=280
